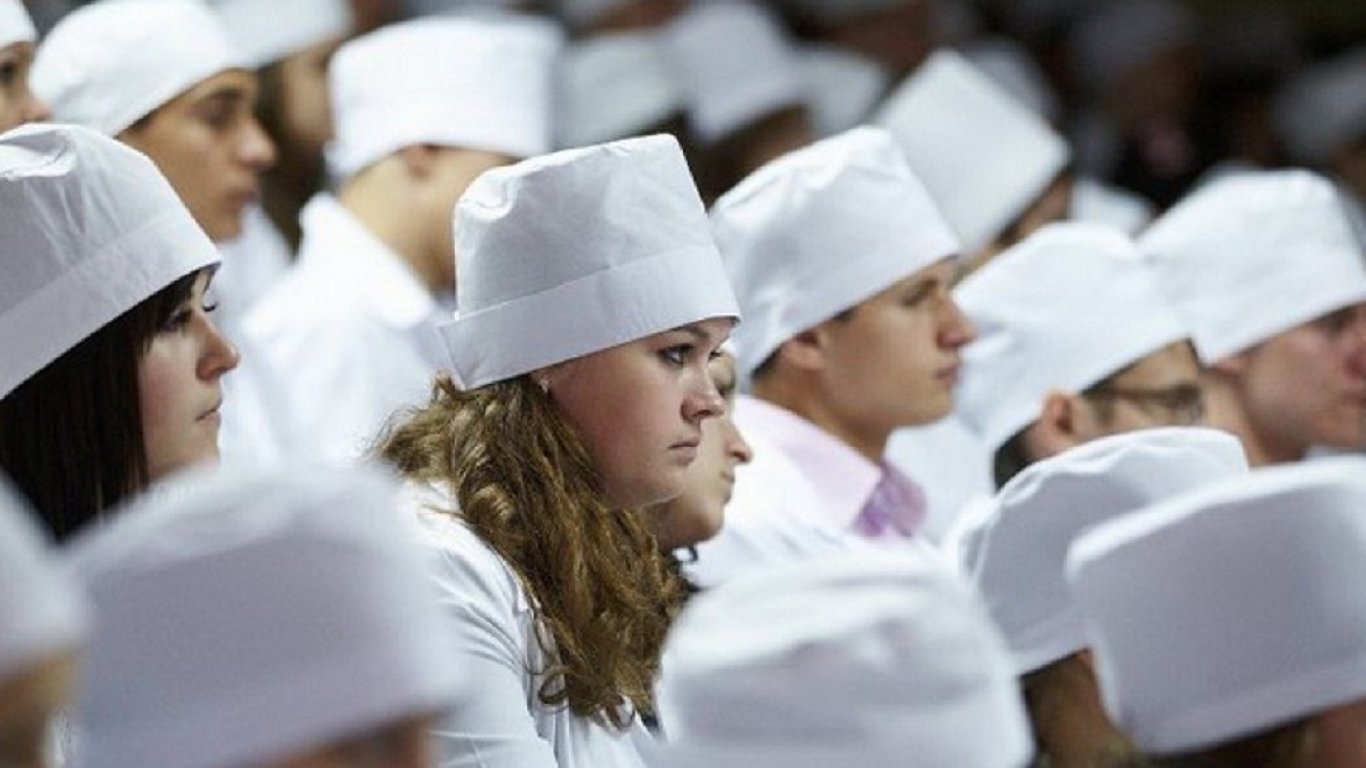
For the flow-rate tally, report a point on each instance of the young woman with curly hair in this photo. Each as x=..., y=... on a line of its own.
x=591, y=300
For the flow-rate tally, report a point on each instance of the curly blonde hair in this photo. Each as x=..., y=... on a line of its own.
x=603, y=592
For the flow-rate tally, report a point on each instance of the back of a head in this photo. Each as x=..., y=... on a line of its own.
x=91, y=229
x=861, y=658
x=820, y=230
x=108, y=64
x=1015, y=556
x=1231, y=609
x=1253, y=254
x=244, y=617
x=1062, y=310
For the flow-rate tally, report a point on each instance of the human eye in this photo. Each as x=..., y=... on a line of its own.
x=676, y=355
x=9, y=72
x=177, y=320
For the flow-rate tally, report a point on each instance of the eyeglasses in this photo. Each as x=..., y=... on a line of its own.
x=1183, y=404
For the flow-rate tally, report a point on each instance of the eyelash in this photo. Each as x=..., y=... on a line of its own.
x=181, y=317
x=677, y=354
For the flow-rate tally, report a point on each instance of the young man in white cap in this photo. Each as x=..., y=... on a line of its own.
x=843, y=267
x=43, y=625
x=1267, y=275
x=420, y=108
x=278, y=619
x=17, y=36
x=1014, y=555
x=1225, y=623
x=870, y=659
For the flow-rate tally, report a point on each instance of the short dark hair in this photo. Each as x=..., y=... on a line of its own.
x=1013, y=457
x=771, y=361
x=71, y=435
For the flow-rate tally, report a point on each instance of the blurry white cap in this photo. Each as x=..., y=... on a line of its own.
x=42, y=610
x=1253, y=254
x=734, y=64
x=1230, y=609
x=1095, y=201
x=820, y=230
x=475, y=82
x=243, y=617
x=1010, y=65
x=613, y=86
x=268, y=30
x=15, y=25
x=1119, y=36
x=109, y=64
x=91, y=229
x=842, y=87
x=858, y=658
x=1062, y=310
x=1015, y=556
x=984, y=157
x=579, y=251
x=1324, y=109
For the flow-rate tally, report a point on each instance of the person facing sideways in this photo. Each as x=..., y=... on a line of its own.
x=1266, y=273
x=421, y=109
x=696, y=515
x=1076, y=343
x=163, y=77
x=876, y=659
x=1259, y=660
x=579, y=396
x=1014, y=557
x=113, y=364
x=277, y=618
x=843, y=266
x=43, y=626
x=18, y=105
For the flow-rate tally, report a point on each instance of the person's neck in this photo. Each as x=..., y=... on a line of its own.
x=387, y=213
x=1225, y=409
x=869, y=442
x=1069, y=720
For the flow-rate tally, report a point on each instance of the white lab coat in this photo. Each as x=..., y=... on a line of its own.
x=502, y=723
x=348, y=336
x=952, y=467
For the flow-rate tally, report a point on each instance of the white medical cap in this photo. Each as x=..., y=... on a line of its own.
x=983, y=155
x=734, y=64
x=15, y=25
x=91, y=229
x=819, y=230
x=841, y=87
x=109, y=64
x=1015, y=555
x=613, y=86
x=268, y=30
x=42, y=610
x=1324, y=108
x=871, y=658
x=1068, y=306
x=567, y=254
x=475, y=82
x=1230, y=609
x=1102, y=203
x=1120, y=35
x=1010, y=65
x=243, y=617
x=1253, y=254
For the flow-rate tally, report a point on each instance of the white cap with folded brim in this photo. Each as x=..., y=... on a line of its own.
x=1010, y=65
x=820, y=230
x=268, y=30
x=613, y=86
x=1071, y=304
x=1114, y=40
x=1015, y=555
x=42, y=609
x=15, y=25
x=244, y=617
x=1324, y=109
x=841, y=87
x=109, y=64
x=983, y=155
x=734, y=64
x=476, y=82
x=1253, y=254
x=1231, y=609
x=91, y=229
x=865, y=658
x=575, y=252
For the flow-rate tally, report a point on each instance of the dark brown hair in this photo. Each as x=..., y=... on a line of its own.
x=603, y=593
x=71, y=435
x=1287, y=746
